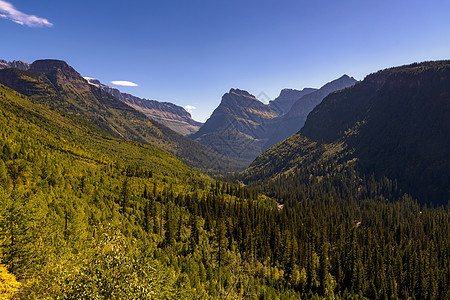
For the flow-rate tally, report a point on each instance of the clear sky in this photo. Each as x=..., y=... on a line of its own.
x=192, y=52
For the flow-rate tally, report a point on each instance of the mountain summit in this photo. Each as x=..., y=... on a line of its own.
x=59, y=73
x=53, y=66
x=237, y=126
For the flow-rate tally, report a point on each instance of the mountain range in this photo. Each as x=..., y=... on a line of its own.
x=19, y=64
x=57, y=85
x=242, y=127
x=171, y=115
x=394, y=124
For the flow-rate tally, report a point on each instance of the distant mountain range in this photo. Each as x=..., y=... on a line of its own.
x=171, y=115
x=242, y=127
x=394, y=124
x=19, y=64
x=295, y=118
x=283, y=103
x=55, y=84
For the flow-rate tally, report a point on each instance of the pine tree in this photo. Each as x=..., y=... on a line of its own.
x=221, y=241
x=125, y=194
x=169, y=227
x=194, y=238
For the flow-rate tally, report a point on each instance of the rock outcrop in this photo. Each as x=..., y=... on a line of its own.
x=18, y=64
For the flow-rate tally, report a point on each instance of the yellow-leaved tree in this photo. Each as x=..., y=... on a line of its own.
x=8, y=283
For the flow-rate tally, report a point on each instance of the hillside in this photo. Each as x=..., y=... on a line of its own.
x=173, y=116
x=394, y=124
x=84, y=214
x=59, y=86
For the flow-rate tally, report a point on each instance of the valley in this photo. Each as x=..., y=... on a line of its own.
x=335, y=193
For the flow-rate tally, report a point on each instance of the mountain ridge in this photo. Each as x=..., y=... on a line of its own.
x=18, y=64
x=287, y=98
x=171, y=115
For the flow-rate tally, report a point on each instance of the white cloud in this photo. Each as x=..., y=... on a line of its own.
x=190, y=108
x=8, y=11
x=123, y=83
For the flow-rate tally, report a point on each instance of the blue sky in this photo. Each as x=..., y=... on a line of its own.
x=192, y=52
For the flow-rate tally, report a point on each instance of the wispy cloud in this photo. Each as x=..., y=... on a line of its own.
x=8, y=11
x=123, y=83
x=190, y=108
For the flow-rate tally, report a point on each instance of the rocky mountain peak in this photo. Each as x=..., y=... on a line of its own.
x=240, y=93
x=237, y=98
x=237, y=127
x=60, y=73
x=49, y=65
x=293, y=92
x=340, y=83
x=93, y=81
x=19, y=64
x=55, y=68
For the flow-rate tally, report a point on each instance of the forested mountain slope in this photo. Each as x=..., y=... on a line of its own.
x=63, y=89
x=396, y=123
x=88, y=216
